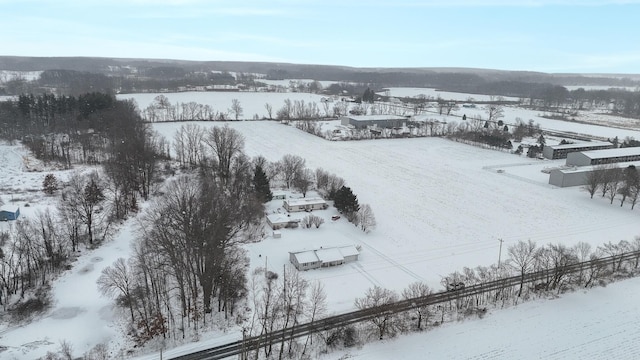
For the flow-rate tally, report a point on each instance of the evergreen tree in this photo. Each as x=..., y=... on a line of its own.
x=261, y=185
x=50, y=184
x=346, y=201
x=542, y=141
x=368, y=96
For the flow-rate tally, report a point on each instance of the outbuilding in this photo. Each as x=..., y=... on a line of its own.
x=609, y=156
x=9, y=213
x=560, y=151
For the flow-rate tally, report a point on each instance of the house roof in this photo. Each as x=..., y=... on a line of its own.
x=349, y=250
x=607, y=153
x=281, y=219
x=9, y=208
x=329, y=255
x=305, y=201
x=306, y=257
x=325, y=255
x=376, y=117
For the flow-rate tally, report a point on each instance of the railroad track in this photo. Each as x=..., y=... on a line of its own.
x=256, y=342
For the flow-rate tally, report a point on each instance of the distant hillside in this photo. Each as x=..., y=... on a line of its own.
x=141, y=74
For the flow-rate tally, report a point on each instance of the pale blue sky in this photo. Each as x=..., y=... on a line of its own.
x=581, y=36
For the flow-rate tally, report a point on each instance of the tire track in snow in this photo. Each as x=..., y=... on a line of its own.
x=361, y=270
x=393, y=262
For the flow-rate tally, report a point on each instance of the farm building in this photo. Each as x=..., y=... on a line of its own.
x=323, y=257
x=304, y=204
x=608, y=156
x=9, y=213
x=577, y=176
x=569, y=177
x=382, y=121
x=280, y=221
x=554, y=152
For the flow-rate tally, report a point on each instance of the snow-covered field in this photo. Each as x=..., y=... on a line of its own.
x=439, y=205
x=435, y=93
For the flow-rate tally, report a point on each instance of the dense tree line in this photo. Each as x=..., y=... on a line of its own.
x=188, y=264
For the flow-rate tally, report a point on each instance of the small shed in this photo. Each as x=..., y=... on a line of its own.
x=277, y=234
x=9, y=213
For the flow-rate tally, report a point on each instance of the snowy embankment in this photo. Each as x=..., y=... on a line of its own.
x=599, y=323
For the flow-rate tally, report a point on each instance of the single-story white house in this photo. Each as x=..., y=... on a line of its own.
x=323, y=257
x=304, y=204
x=279, y=221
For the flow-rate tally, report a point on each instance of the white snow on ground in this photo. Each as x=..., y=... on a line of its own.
x=440, y=206
x=435, y=93
x=599, y=323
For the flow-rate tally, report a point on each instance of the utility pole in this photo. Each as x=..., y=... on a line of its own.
x=500, y=252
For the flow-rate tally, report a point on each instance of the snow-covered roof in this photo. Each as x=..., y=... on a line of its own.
x=607, y=153
x=376, y=117
x=585, y=169
x=281, y=219
x=9, y=208
x=306, y=257
x=349, y=250
x=305, y=201
x=580, y=145
x=329, y=255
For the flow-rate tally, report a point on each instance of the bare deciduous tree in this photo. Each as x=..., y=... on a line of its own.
x=289, y=166
x=226, y=145
x=418, y=290
x=522, y=256
x=236, y=108
x=365, y=218
x=378, y=297
x=115, y=281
